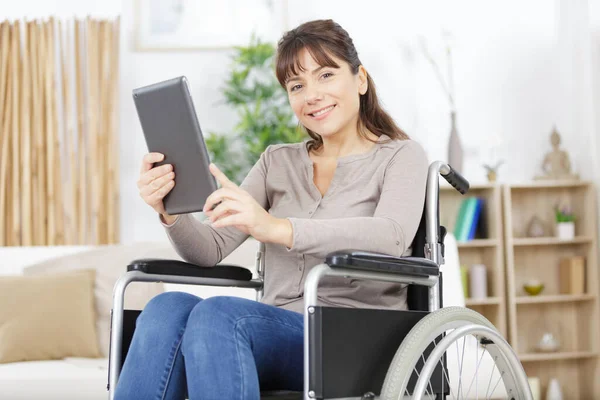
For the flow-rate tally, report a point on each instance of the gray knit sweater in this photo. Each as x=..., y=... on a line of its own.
x=374, y=203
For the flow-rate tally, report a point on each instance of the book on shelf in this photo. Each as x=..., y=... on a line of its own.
x=468, y=224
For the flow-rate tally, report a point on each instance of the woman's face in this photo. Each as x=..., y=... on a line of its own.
x=326, y=100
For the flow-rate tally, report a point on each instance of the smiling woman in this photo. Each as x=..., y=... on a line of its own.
x=319, y=66
x=358, y=183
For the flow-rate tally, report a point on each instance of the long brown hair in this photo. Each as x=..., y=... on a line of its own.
x=322, y=38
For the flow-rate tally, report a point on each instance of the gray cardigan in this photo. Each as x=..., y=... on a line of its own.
x=374, y=203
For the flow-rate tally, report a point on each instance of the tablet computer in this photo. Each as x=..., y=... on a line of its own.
x=170, y=125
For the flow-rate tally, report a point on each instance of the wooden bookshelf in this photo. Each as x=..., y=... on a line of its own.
x=573, y=317
x=486, y=250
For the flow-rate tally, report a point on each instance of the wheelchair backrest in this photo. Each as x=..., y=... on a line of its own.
x=417, y=296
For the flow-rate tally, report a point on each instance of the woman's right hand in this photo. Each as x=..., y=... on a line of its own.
x=155, y=183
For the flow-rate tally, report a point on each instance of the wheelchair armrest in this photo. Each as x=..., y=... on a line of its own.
x=158, y=266
x=378, y=262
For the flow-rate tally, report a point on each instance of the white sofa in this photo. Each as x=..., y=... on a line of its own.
x=86, y=378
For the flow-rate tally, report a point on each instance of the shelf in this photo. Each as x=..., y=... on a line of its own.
x=569, y=355
x=550, y=184
x=477, y=243
x=559, y=298
x=549, y=241
x=483, y=302
x=478, y=186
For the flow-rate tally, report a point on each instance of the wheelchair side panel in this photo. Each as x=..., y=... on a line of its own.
x=352, y=349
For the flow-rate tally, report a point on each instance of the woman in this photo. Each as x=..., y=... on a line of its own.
x=359, y=183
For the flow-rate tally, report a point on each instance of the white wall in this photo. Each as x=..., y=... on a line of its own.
x=506, y=81
x=31, y=9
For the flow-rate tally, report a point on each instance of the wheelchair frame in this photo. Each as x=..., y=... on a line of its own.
x=433, y=253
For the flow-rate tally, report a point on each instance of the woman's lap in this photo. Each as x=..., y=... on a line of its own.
x=221, y=340
x=274, y=337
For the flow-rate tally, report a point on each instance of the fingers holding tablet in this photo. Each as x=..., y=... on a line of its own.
x=155, y=182
x=149, y=159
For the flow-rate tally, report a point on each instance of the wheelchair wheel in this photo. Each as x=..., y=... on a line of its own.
x=482, y=366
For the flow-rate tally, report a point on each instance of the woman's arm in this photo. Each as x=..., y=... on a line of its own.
x=201, y=243
x=392, y=227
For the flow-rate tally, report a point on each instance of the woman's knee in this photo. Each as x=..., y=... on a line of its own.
x=214, y=319
x=217, y=314
x=169, y=309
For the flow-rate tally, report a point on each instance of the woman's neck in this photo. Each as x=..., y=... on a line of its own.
x=341, y=144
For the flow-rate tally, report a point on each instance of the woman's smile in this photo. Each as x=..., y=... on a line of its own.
x=322, y=113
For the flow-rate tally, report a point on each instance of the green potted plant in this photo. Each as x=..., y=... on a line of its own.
x=565, y=222
x=265, y=116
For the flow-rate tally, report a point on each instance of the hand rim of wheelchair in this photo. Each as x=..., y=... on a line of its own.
x=464, y=322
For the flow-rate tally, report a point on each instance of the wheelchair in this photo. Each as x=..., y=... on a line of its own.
x=352, y=353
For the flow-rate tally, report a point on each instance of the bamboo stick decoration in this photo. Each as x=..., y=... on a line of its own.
x=49, y=133
x=13, y=133
x=7, y=155
x=108, y=149
x=92, y=129
x=55, y=143
x=16, y=131
x=25, y=135
x=113, y=168
x=36, y=128
x=32, y=50
x=5, y=112
x=103, y=47
x=60, y=223
x=81, y=170
x=96, y=171
x=41, y=137
x=68, y=139
x=58, y=181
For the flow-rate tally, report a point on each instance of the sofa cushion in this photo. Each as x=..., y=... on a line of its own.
x=48, y=317
x=110, y=263
x=68, y=379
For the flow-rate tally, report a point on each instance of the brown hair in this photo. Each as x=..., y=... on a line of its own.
x=322, y=38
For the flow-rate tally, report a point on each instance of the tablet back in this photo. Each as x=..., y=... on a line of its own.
x=171, y=127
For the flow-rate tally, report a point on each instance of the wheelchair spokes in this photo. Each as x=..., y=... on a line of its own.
x=469, y=373
x=458, y=352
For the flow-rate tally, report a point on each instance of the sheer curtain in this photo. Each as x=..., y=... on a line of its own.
x=575, y=89
x=58, y=143
x=578, y=50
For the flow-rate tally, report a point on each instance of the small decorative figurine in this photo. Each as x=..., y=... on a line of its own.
x=536, y=227
x=556, y=164
x=492, y=171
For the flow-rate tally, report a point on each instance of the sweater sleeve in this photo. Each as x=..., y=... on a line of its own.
x=395, y=221
x=199, y=242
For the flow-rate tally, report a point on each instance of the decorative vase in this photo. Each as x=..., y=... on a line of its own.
x=534, y=385
x=455, y=150
x=565, y=230
x=536, y=228
x=478, y=281
x=554, y=391
x=548, y=343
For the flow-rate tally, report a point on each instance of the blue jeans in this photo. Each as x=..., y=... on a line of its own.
x=218, y=348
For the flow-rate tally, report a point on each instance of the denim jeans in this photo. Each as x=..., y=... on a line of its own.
x=218, y=348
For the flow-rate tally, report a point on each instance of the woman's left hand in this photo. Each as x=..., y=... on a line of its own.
x=237, y=208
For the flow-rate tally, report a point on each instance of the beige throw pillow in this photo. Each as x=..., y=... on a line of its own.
x=110, y=263
x=50, y=316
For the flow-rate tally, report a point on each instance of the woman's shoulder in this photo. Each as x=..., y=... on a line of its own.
x=402, y=147
x=286, y=151
x=286, y=146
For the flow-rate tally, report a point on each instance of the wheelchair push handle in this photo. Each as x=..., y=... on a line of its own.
x=455, y=179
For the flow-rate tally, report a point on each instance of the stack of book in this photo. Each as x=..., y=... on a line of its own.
x=469, y=219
